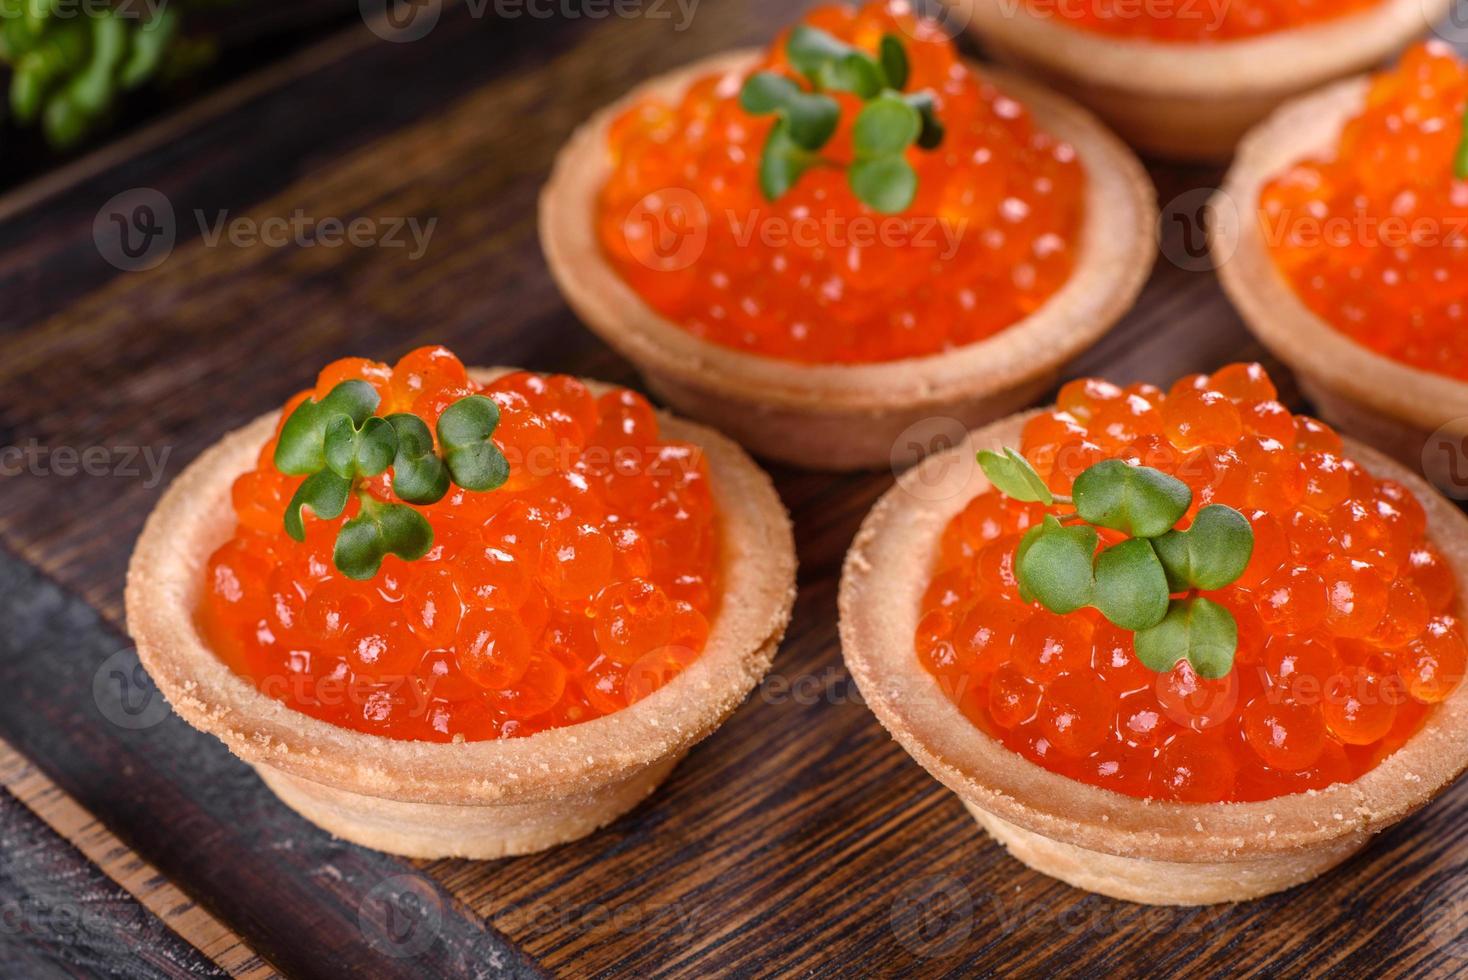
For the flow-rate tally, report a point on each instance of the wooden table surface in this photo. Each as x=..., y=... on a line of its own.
x=799, y=839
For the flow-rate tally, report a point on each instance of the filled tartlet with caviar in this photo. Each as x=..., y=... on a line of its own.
x=1187, y=80
x=1340, y=236
x=817, y=245
x=446, y=612
x=1174, y=647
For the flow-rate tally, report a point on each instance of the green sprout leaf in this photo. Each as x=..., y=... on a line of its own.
x=1054, y=566
x=886, y=126
x=1029, y=538
x=881, y=177
x=765, y=92
x=1209, y=555
x=149, y=43
x=811, y=49
x=301, y=448
x=886, y=184
x=1460, y=158
x=366, y=451
x=857, y=73
x=1131, y=588
x=782, y=162
x=831, y=64
x=931, y=136
x=325, y=493
x=893, y=58
x=418, y=475
x=1136, y=500
x=379, y=530
x=810, y=119
x=1197, y=630
x=464, y=431
x=1013, y=476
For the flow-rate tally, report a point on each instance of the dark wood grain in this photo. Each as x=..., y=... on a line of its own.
x=61, y=917
x=797, y=840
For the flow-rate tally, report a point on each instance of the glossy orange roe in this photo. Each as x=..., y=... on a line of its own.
x=1374, y=237
x=582, y=585
x=1194, y=21
x=1347, y=614
x=817, y=276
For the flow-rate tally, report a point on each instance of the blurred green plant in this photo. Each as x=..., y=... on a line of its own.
x=71, y=60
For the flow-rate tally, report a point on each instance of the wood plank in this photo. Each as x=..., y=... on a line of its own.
x=114, y=859
x=799, y=838
x=62, y=917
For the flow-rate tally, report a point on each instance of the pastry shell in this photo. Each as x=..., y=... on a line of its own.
x=844, y=417
x=1154, y=852
x=483, y=799
x=1191, y=101
x=1387, y=403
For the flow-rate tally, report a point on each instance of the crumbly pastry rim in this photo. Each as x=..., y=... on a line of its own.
x=1117, y=249
x=194, y=517
x=884, y=577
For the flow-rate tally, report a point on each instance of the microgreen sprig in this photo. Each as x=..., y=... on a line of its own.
x=1460, y=158
x=337, y=443
x=888, y=123
x=1148, y=582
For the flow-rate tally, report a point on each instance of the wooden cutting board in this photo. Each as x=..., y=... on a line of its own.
x=798, y=840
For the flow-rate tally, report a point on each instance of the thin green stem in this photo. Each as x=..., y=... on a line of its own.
x=1460, y=158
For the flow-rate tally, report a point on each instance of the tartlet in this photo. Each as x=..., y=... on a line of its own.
x=1389, y=404
x=1185, y=100
x=839, y=416
x=1143, y=850
x=477, y=799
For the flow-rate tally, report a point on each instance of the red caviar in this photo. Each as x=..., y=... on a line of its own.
x=583, y=584
x=1347, y=614
x=817, y=276
x=1372, y=236
x=1195, y=21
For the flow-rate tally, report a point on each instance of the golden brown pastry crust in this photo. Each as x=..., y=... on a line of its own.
x=1146, y=851
x=839, y=417
x=1192, y=101
x=1391, y=405
x=374, y=789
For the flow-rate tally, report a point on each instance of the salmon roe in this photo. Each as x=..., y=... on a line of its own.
x=1347, y=613
x=817, y=276
x=582, y=585
x=1374, y=237
x=1196, y=21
